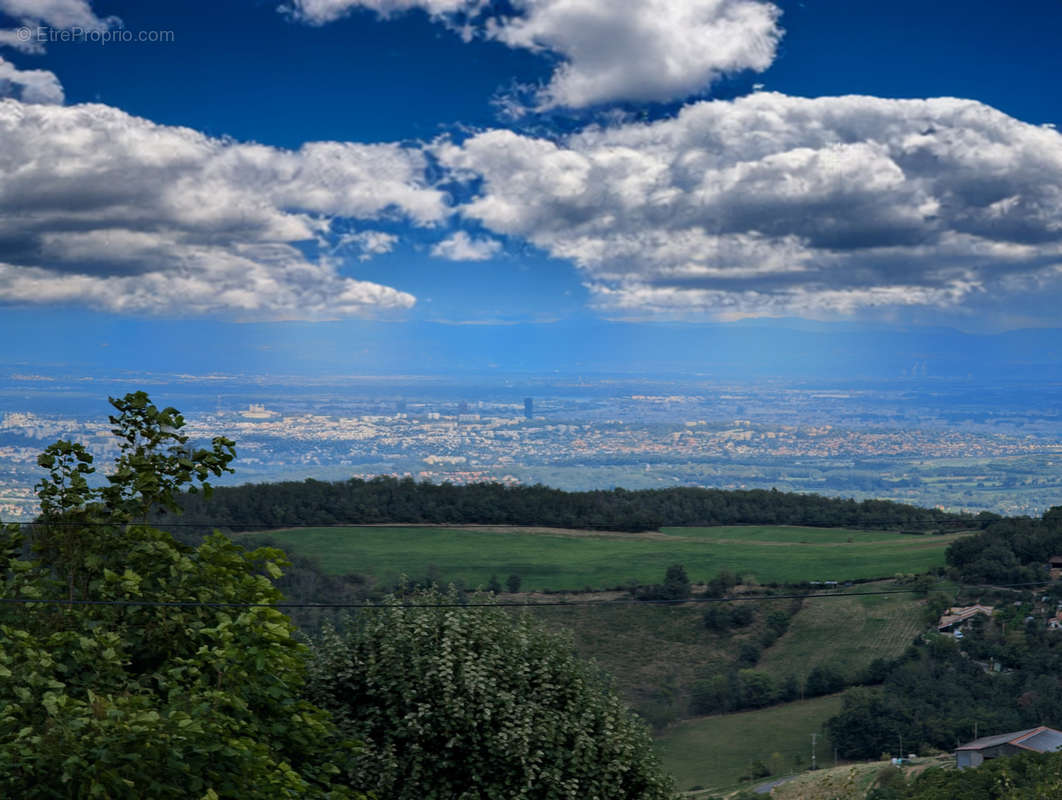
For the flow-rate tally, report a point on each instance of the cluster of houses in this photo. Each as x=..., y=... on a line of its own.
x=975, y=753
x=1041, y=739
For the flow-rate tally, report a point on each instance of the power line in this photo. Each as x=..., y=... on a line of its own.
x=496, y=604
x=282, y=526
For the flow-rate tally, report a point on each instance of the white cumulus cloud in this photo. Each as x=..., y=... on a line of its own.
x=101, y=208
x=462, y=247
x=33, y=15
x=773, y=204
x=636, y=50
x=319, y=12
x=29, y=85
x=367, y=243
x=641, y=50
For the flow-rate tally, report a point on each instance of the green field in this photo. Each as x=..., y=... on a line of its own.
x=846, y=633
x=654, y=654
x=715, y=752
x=553, y=559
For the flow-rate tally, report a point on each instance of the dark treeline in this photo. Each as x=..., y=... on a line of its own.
x=1009, y=550
x=390, y=500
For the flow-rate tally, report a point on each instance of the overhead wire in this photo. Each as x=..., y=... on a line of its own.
x=490, y=604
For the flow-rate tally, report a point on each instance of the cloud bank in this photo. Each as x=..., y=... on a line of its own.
x=777, y=205
x=101, y=208
x=765, y=205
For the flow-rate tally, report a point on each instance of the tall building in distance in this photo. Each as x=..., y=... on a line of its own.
x=529, y=407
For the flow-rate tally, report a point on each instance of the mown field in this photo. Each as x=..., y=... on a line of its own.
x=846, y=632
x=572, y=560
x=715, y=752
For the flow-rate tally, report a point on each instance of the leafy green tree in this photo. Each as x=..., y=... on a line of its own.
x=757, y=688
x=712, y=695
x=149, y=697
x=721, y=583
x=512, y=583
x=676, y=583
x=494, y=585
x=778, y=621
x=789, y=689
x=749, y=654
x=478, y=703
x=742, y=614
x=823, y=679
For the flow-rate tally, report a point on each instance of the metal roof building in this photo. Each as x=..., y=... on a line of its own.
x=1039, y=740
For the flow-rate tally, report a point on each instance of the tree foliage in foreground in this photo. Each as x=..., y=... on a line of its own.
x=476, y=703
x=149, y=701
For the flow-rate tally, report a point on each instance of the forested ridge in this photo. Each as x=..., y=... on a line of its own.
x=391, y=500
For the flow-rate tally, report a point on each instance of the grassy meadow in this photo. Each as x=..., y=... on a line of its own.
x=656, y=653
x=573, y=560
x=846, y=632
x=715, y=752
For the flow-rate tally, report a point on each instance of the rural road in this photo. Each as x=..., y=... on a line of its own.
x=765, y=788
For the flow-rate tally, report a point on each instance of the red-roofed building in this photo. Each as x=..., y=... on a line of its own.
x=957, y=615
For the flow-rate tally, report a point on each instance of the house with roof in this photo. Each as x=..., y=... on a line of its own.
x=957, y=616
x=1036, y=740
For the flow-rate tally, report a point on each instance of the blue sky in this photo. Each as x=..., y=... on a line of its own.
x=381, y=178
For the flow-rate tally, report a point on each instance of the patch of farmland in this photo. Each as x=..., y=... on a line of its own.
x=846, y=632
x=715, y=752
x=577, y=560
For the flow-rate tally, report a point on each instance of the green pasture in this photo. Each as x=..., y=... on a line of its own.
x=653, y=653
x=577, y=560
x=846, y=633
x=787, y=534
x=715, y=752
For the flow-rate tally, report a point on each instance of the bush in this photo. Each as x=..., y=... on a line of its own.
x=749, y=654
x=477, y=702
x=823, y=680
x=742, y=615
x=778, y=621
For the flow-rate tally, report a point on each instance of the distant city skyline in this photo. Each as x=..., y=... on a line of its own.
x=388, y=184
